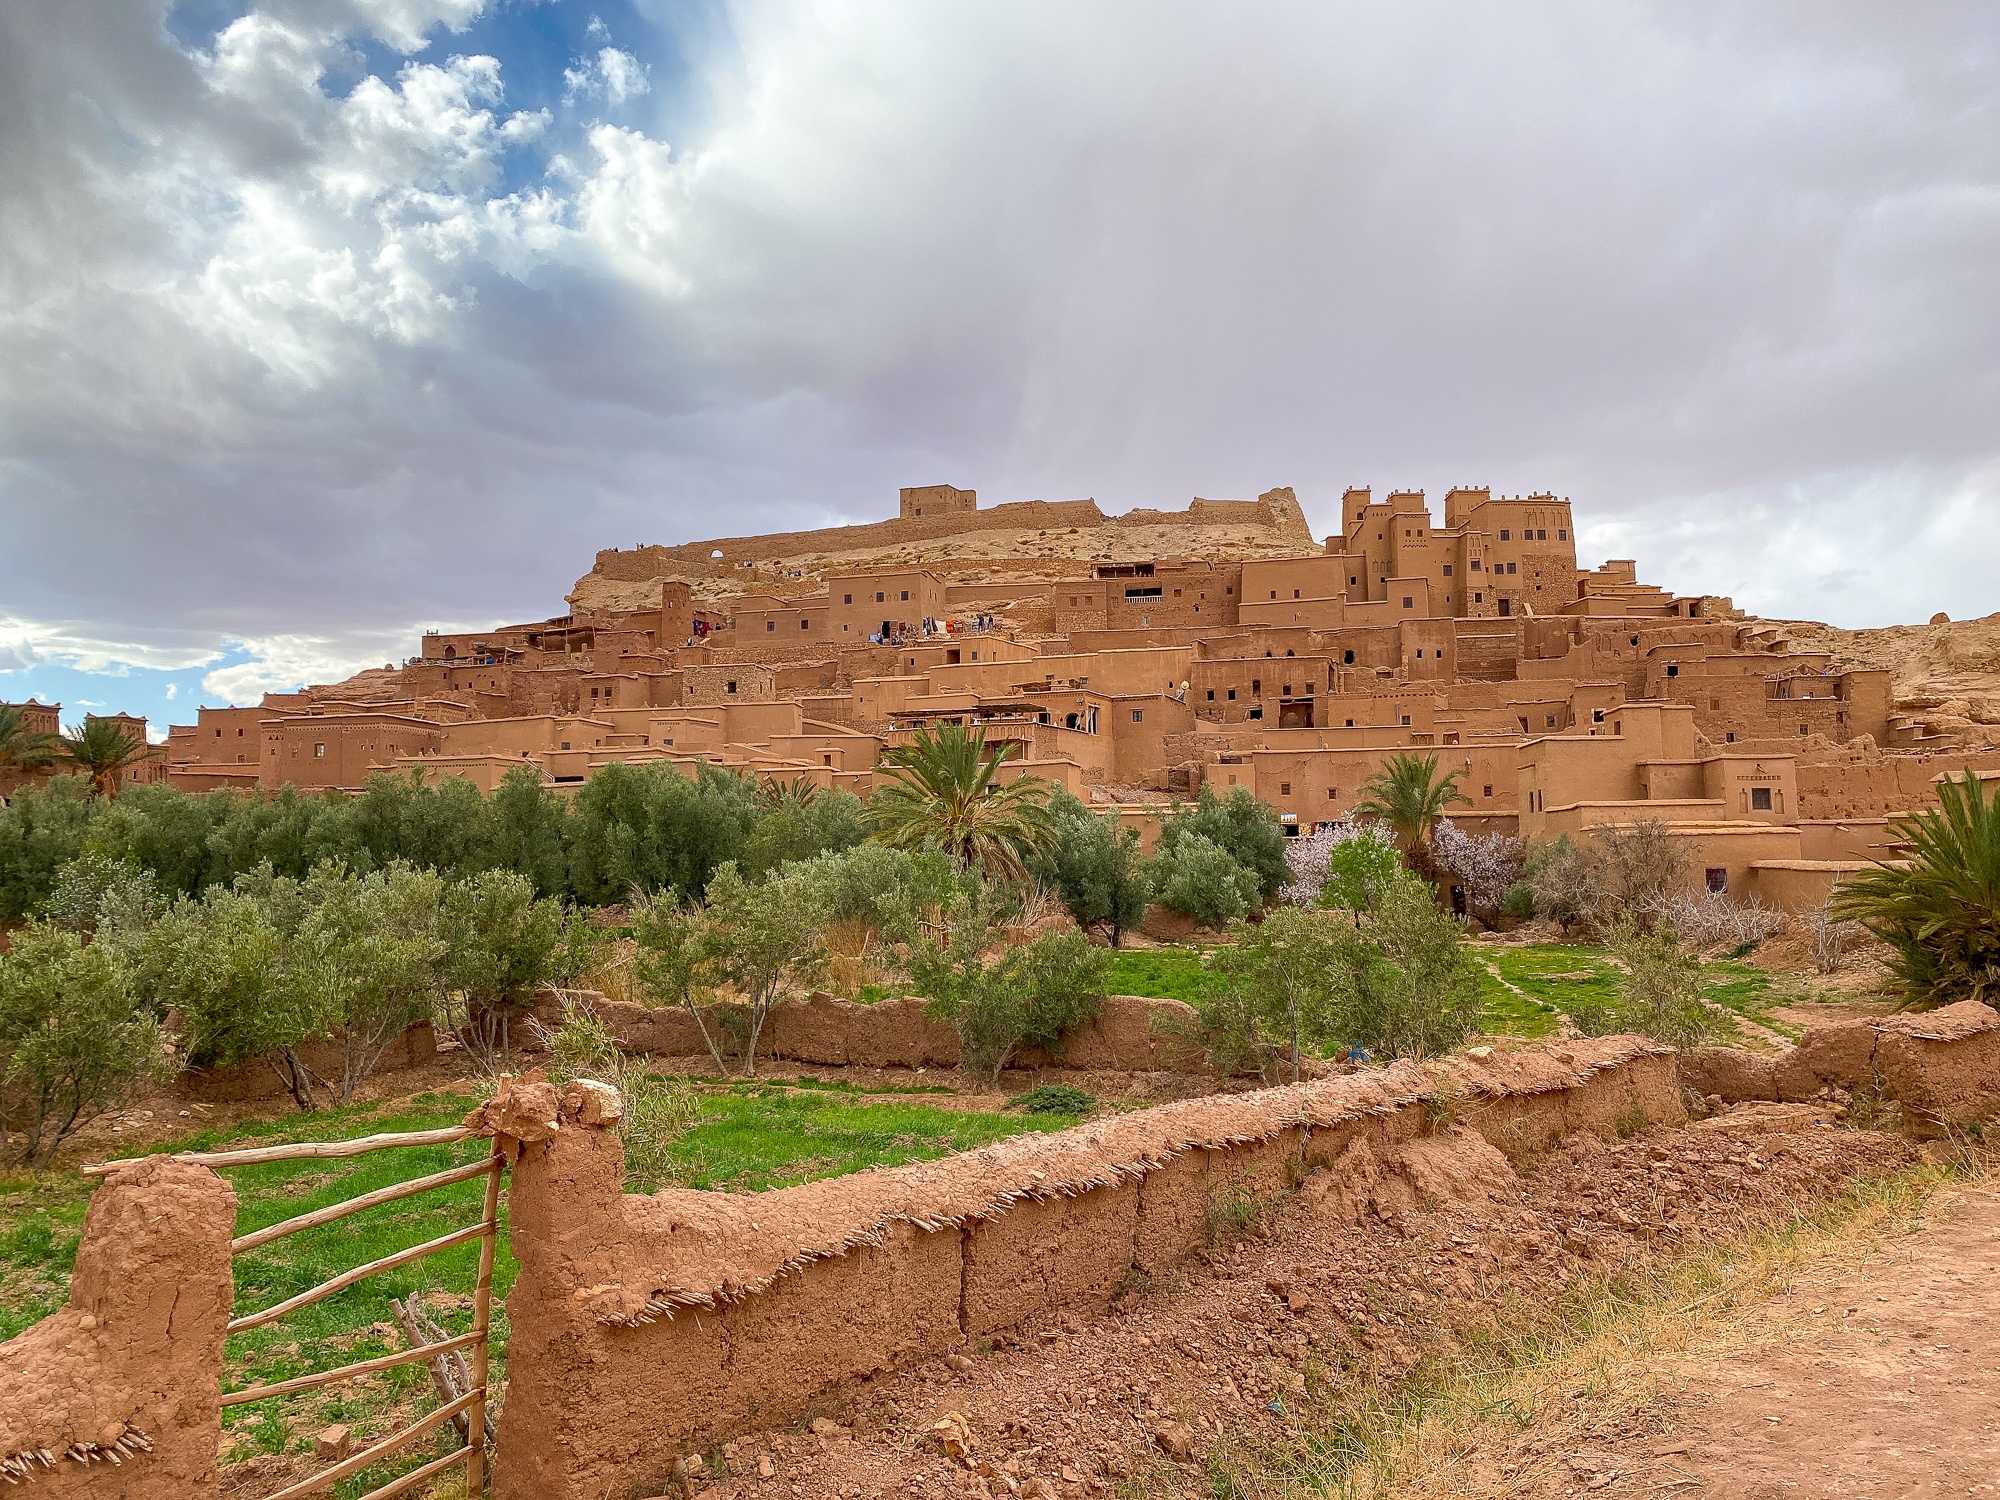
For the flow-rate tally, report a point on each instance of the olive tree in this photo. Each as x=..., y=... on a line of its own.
x=220, y=963
x=73, y=1043
x=502, y=944
x=365, y=954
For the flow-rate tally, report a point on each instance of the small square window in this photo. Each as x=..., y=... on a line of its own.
x=1673, y=669
x=1295, y=593
x=1447, y=570
x=849, y=599
x=805, y=625
x=1487, y=792
x=1284, y=789
x=1561, y=535
x=770, y=624
x=1760, y=799
x=1347, y=658
x=880, y=598
x=1232, y=695
x=732, y=687
x=1331, y=793
x=1512, y=568
x=1211, y=695
x=906, y=596
x=1729, y=738
x=1717, y=881
x=1138, y=716
x=1406, y=718
x=1409, y=602
x=319, y=752
x=1505, y=535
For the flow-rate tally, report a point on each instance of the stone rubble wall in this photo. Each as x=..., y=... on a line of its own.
x=1942, y=1066
x=646, y=1326
x=118, y=1396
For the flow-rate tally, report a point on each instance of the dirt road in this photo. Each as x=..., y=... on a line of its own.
x=1873, y=1383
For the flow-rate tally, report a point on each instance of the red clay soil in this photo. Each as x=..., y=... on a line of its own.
x=1342, y=1284
x=1894, y=1390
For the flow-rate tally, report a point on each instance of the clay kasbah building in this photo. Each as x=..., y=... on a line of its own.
x=1136, y=658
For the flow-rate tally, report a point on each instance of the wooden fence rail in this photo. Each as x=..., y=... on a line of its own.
x=472, y=1403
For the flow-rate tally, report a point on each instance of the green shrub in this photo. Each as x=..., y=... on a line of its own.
x=1026, y=996
x=1054, y=1099
x=1413, y=988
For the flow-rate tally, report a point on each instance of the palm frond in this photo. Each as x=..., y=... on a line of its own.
x=1939, y=909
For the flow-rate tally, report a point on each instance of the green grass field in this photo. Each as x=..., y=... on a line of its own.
x=1548, y=979
x=1525, y=990
x=1163, y=973
x=749, y=1137
x=757, y=1136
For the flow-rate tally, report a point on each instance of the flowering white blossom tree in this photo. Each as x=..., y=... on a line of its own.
x=1483, y=864
x=1307, y=858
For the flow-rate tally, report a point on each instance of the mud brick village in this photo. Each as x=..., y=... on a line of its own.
x=1010, y=1000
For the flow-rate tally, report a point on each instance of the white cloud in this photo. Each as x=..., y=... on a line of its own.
x=29, y=643
x=613, y=75
x=285, y=663
x=407, y=24
x=625, y=77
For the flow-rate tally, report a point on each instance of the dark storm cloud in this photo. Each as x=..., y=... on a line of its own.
x=300, y=361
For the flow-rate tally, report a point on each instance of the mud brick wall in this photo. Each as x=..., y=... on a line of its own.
x=1942, y=1066
x=829, y=1032
x=118, y=1396
x=254, y=1080
x=646, y=1326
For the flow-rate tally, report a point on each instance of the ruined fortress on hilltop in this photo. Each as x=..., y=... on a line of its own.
x=1135, y=658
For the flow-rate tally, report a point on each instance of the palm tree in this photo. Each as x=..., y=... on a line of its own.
x=102, y=749
x=797, y=795
x=1938, y=910
x=1410, y=796
x=22, y=747
x=941, y=794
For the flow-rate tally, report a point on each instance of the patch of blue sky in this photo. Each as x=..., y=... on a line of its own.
x=538, y=43
x=162, y=696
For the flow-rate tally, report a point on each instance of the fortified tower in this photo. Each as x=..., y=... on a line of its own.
x=937, y=500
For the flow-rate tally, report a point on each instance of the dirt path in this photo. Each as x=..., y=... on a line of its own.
x=1881, y=1381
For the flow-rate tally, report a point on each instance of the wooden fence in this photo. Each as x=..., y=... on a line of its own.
x=472, y=1402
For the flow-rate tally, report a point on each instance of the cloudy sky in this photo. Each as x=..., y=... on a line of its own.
x=324, y=321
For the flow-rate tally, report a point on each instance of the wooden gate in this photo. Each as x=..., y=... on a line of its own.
x=473, y=1401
